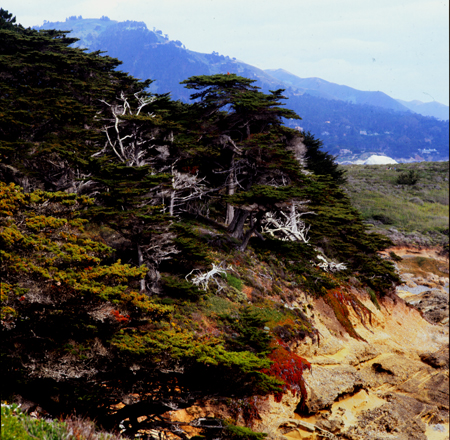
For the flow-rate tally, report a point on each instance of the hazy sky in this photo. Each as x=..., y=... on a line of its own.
x=400, y=47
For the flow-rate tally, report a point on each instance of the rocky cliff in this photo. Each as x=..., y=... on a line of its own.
x=392, y=384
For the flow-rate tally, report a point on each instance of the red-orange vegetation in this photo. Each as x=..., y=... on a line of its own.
x=288, y=367
x=339, y=300
x=119, y=317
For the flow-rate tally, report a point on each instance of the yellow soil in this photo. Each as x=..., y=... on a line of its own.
x=354, y=405
x=298, y=434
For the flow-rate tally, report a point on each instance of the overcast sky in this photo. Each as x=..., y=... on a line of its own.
x=400, y=47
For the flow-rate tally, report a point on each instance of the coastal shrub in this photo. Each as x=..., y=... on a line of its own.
x=180, y=288
x=18, y=425
x=233, y=432
x=249, y=325
x=410, y=177
x=394, y=256
x=288, y=367
x=234, y=282
x=219, y=306
x=228, y=431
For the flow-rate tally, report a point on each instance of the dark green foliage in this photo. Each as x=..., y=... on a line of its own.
x=394, y=256
x=249, y=325
x=192, y=250
x=241, y=433
x=180, y=288
x=241, y=139
x=298, y=260
x=7, y=21
x=234, y=282
x=50, y=95
x=320, y=162
x=410, y=177
x=340, y=232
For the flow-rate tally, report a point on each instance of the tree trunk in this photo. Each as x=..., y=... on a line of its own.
x=172, y=202
x=293, y=218
x=249, y=233
x=231, y=188
x=140, y=263
x=237, y=225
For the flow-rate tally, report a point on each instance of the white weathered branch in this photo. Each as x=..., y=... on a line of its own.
x=202, y=280
x=292, y=228
x=129, y=148
x=182, y=183
x=330, y=266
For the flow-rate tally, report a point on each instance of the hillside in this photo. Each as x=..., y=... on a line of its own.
x=422, y=192
x=324, y=89
x=181, y=269
x=434, y=109
x=346, y=119
x=149, y=54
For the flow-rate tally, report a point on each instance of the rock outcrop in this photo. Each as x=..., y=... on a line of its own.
x=392, y=384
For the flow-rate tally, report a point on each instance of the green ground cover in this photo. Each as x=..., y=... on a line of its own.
x=18, y=425
x=419, y=210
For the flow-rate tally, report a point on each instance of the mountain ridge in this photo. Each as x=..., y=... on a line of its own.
x=345, y=118
x=434, y=108
x=328, y=90
x=280, y=77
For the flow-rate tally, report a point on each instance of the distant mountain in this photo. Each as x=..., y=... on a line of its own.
x=328, y=90
x=434, y=109
x=151, y=54
x=350, y=122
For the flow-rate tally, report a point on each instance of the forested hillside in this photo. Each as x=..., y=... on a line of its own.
x=361, y=129
x=135, y=231
x=346, y=119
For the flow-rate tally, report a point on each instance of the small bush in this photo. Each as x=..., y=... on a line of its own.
x=233, y=432
x=219, y=306
x=373, y=297
x=383, y=219
x=18, y=425
x=410, y=177
x=394, y=256
x=235, y=282
x=179, y=288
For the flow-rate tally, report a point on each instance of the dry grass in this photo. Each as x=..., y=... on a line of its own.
x=422, y=266
x=422, y=208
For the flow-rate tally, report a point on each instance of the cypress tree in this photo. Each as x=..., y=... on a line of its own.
x=51, y=95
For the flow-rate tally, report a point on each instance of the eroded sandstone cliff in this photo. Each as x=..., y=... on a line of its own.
x=392, y=384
